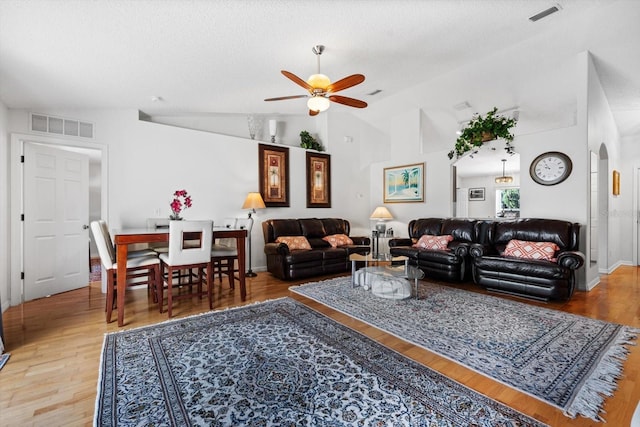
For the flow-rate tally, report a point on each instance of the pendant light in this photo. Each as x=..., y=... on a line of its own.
x=504, y=179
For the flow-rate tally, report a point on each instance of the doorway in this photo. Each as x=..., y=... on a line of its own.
x=97, y=203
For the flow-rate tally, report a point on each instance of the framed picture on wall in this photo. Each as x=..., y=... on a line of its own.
x=318, y=180
x=273, y=172
x=404, y=184
x=476, y=194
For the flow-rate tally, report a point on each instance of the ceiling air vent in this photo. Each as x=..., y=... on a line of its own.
x=61, y=126
x=544, y=13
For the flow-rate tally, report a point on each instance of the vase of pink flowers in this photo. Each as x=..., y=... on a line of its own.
x=181, y=201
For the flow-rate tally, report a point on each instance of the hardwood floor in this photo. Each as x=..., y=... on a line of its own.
x=55, y=345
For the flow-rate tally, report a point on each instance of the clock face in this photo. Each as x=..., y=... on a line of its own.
x=550, y=168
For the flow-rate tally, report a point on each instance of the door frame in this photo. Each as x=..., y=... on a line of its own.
x=15, y=292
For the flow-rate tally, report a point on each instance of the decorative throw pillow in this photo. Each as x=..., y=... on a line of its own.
x=428, y=241
x=338, y=240
x=531, y=250
x=294, y=242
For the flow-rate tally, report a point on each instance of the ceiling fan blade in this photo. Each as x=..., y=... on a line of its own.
x=313, y=112
x=345, y=83
x=351, y=102
x=297, y=80
x=280, y=98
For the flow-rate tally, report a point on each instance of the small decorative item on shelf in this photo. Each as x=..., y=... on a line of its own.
x=181, y=201
x=481, y=129
x=255, y=126
x=309, y=142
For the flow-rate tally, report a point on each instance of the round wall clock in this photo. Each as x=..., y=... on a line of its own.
x=550, y=168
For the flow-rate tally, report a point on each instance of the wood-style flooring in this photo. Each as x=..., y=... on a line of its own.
x=55, y=345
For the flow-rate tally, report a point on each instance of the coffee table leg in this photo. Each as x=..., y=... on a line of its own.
x=353, y=274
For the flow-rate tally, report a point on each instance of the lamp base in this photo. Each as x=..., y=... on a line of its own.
x=250, y=273
x=381, y=227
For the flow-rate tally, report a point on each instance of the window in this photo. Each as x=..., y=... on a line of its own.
x=508, y=203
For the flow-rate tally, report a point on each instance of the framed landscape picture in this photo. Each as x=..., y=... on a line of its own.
x=404, y=184
x=274, y=175
x=476, y=194
x=318, y=180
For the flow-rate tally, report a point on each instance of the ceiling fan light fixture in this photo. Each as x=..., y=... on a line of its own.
x=318, y=103
x=319, y=81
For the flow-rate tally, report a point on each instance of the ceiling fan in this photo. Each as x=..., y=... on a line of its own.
x=321, y=90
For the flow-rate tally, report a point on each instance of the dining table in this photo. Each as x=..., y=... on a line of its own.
x=129, y=236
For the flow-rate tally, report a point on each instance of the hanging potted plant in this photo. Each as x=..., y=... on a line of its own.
x=481, y=129
x=309, y=142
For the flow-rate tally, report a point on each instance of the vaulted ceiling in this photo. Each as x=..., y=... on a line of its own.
x=223, y=56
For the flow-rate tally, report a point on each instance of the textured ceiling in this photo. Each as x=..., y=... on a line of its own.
x=226, y=56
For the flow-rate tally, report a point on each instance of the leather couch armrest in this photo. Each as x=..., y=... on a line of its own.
x=276, y=249
x=459, y=248
x=478, y=250
x=361, y=240
x=400, y=242
x=571, y=259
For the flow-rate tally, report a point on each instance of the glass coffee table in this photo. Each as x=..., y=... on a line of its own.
x=374, y=260
x=386, y=280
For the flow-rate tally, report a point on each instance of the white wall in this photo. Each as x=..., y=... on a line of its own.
x=147, y=162
x=617, y=215
x=4, y=209
x=485, y=209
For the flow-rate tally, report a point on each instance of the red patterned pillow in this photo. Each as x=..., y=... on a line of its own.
x=531, y=250
x=428, y=241
x=336, y=240
x=294, y=242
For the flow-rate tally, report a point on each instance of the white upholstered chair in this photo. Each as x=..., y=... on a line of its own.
x=141, y=269
x=182, y=257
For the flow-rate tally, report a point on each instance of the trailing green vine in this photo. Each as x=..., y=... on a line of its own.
x=481, y=129
x=309, y=142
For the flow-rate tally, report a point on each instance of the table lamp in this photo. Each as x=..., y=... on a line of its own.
x=252, y=202
x=382, y=214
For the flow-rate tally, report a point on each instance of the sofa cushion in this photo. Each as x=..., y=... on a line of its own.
x=294, y=242
x=336, y=240
x=312, y=227
x=284, y=227
x=434, y=242
x=335, y=226
x=531, y=250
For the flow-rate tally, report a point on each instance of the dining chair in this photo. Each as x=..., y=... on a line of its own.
x=224, y=254
x=182, y=257
x=141, y=269
x=154, y=224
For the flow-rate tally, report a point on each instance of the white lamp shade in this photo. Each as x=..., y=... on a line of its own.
x=381, y=214
x=253, y=201
x=318, y=81
x=273, y=127
x=318, y=103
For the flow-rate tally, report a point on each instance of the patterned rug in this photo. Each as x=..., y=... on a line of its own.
x=277, y=363
x=566, y=360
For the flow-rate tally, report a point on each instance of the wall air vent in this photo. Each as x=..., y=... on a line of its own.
x=544, y=13
x=61, y=126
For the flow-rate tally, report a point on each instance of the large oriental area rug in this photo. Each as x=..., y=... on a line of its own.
x=566, y=360
x=277, y=363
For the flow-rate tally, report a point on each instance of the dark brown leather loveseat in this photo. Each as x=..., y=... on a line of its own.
x=321, y=259
x=452, y=264
x=540, y=279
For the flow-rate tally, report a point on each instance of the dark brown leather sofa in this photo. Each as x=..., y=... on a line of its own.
x=321, y=259
x=453, y=264
x=540, y=279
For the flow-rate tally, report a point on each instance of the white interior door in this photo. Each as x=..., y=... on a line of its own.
x=462, y=202
x=56, y=214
